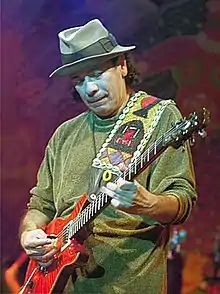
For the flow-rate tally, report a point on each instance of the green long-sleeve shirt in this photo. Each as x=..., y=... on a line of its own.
x=129, y=249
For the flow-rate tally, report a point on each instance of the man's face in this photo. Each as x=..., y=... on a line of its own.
x=103, y=89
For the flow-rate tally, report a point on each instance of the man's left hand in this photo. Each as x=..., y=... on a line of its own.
x=125, y=195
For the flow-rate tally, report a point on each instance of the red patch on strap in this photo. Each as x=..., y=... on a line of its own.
x=147, y=101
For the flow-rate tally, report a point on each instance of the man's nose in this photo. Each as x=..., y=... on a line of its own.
x=91, y=87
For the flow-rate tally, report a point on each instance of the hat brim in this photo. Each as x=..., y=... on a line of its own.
x=89, y=62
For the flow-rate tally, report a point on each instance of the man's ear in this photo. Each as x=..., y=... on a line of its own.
x=123, y=66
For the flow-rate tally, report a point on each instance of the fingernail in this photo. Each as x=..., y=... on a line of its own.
x=137, y=184
x=111, y=186
x=120, y=181
x=115, y=203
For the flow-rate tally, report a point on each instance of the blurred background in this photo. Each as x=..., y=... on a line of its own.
x=178, y=57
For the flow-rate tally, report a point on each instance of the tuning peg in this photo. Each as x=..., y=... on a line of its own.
x=183, y=147
x=192, y=141
x=202, y=133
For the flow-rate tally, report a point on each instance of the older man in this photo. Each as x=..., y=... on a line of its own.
x=127, y=240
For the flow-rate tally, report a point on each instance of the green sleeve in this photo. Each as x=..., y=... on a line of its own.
x=42, y=194
x=173, y=173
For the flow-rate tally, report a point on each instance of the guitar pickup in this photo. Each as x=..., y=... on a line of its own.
x=31, y=285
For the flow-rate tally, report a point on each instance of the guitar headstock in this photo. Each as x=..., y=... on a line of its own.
x=186, y=129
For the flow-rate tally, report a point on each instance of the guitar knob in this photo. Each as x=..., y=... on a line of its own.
x=192, y=141
x=202, y=133
x=92, y=197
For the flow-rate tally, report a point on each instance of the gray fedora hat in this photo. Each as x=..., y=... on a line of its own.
x=86, y=46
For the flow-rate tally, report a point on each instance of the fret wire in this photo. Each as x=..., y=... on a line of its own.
x=95, y=207
x=99, y=203
x=80, y=221
x=135, y=165
x=90, y=211
x=86, y=213
x=129, y=174
x=141, y=161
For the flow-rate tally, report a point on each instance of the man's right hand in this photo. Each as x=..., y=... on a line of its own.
x=38, y=246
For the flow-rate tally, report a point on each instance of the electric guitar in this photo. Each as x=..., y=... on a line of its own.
x=70, y=234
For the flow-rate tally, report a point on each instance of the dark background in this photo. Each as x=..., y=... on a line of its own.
x=178, y=57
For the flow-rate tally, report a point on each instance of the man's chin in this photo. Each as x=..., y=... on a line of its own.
x=104, y=113
x=100, y=103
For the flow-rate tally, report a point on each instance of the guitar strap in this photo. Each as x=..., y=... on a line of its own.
x=131, y=132
x=125, y=142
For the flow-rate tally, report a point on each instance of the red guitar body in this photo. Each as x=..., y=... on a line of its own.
x=53, y=278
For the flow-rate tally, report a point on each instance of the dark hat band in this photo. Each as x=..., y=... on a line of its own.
x=101, y=46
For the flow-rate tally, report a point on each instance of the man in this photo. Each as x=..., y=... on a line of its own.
x=127, y=240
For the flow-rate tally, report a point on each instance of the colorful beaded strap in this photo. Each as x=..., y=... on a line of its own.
x=131, y=132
